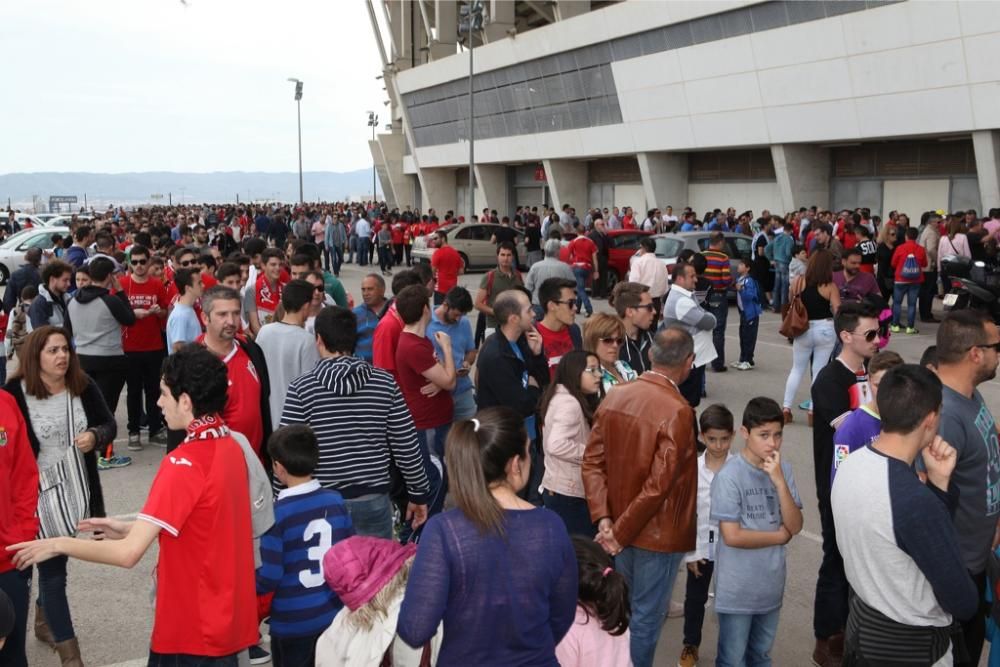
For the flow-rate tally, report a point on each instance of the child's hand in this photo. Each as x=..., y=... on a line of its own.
x=693, y=567
x=786, y=535
x=772, y=466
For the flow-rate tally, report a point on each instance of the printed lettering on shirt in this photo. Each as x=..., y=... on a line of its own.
x=986, y=426
x=760, y=504
x=840, y=453
x=322, y=529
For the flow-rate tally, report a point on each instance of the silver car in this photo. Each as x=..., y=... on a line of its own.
x=472, y=241
x=669, y=246
x=13, y=248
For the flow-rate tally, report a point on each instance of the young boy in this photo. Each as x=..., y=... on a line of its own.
x=755, y=501
x=308, y=520
x=862, y=427
x=748, y=303
x=716, y=422
x=797, y=267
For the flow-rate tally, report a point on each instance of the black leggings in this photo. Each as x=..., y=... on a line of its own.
x=109, y=375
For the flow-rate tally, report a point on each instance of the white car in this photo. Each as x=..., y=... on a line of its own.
x=12, y=250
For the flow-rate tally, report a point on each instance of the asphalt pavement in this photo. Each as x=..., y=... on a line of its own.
x=112, y=610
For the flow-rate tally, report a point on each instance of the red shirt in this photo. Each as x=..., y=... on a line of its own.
x=899, y=256
x=18, y=481
x=267, y=298
x=205, y=592
x=447, y=263
x=145, y=335
x=581, y=252
x=242, y=412
x=414, y=355
x=398, y=230
x=385, y=340
x=554, y=344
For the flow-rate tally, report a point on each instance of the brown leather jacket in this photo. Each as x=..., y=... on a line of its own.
x=640, y=467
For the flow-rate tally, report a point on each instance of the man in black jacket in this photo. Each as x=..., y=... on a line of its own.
x=28, y=274
x=511, y=370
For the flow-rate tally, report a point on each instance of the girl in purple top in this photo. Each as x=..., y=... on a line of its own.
x=499, y=572
x=863, y=426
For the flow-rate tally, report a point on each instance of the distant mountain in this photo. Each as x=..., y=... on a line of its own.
x=22, y=189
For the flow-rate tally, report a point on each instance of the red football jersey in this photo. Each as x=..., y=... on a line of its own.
x=242, y=412
x=145, y=335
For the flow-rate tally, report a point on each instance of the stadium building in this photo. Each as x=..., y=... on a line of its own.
x=776, y=104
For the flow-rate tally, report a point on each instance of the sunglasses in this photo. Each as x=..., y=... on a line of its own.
x=188, y=263
x=613, y=341
x=140, y=262
x=648, y=306
x=318, y=288
x=569, y=302
x=869, y=335
x=995, y=346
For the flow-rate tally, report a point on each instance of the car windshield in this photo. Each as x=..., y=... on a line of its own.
x=668, y=247
x=15, y=239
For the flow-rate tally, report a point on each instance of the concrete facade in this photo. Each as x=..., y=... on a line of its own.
x=884, y=72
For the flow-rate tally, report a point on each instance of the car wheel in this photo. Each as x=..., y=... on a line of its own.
x=465, y=260
x=4, y=274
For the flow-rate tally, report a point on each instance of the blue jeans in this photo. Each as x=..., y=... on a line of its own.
x=294, y=651
x=650, y=576
x=364, y=251
x=583, y=300
x=746, y=639
x=748, y=337
x=17, y=585
x=336, y=254
x=371, y=514
x=911, y=291
x=780, y=293
x=817, y=344
x=430, y=441
x=52, y=597
x=573, y=511
x=721, y=312
x=465, y=405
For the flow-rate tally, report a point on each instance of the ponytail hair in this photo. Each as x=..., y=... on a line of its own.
x=476, y=453
x=603, y=591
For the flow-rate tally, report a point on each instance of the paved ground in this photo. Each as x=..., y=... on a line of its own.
x=112, y=610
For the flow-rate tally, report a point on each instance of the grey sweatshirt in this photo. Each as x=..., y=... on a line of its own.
x=98, y=317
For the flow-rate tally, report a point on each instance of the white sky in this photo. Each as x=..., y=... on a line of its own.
x=157, y=85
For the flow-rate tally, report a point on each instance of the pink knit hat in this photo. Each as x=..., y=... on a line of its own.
x=357, y=568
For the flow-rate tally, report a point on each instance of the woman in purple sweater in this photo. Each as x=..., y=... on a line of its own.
x=499, y=572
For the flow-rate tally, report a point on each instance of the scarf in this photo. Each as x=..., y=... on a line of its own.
x=206, y=427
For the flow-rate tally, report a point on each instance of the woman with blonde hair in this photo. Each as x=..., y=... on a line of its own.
x=604, y=335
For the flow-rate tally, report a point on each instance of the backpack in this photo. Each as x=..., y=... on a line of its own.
x=491, y=276
x=910, y=270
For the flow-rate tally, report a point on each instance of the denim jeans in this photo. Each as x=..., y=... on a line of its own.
x=780, y=286
x=371, y=514
x=746, y=639
x=294, y=651
x=430, y=440
x=748, y=337
x=695, y=597
x=721, y=312
x=352, y=247
x=465, y=404
x=185, y=660
x=17, y=585
x=52, y=597
x=912, y=292
x=336, y=254
x=364, y=250
x=816, y=343
x=583, y=300
x=573, y=511
x=650, y=576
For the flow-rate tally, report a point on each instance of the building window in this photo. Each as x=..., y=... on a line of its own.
x=740, y=165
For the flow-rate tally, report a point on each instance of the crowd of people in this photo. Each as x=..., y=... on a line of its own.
x=392, y=478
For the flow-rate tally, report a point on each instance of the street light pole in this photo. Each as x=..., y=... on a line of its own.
x=298, y=109
x=373, y=123
x=471, y=20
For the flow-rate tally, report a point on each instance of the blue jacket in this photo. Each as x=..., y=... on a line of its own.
x=749, y=299
x=780, y=249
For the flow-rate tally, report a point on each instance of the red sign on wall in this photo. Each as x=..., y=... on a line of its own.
x=540, y=173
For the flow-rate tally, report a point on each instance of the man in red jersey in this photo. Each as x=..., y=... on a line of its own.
x=144, y=347
x=267, y=290
x=199, y=510
x=447, y=265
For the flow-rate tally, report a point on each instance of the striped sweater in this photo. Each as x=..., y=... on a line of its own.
x=361, y=423
x=308, y=520
x=718, y=272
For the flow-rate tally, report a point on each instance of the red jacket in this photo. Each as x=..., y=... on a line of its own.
x=18, y=481
x=899, y=258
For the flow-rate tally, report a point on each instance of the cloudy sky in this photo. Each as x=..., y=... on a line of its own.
x=162, y=85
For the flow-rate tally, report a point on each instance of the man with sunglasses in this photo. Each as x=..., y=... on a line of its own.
x=635, y=306
x=968, y=348
x=842, y=386
x=144, y=348
x=558, y=329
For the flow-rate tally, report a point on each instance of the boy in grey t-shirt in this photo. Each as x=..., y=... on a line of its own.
x=758, y=508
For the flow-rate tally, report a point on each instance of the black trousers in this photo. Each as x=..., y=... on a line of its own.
x=695, y=597
x=691, y=388
x=974, y=629
x=832, y=589
x=109, y=375
x=928, y=290
x=142, y=381
x=17, y=585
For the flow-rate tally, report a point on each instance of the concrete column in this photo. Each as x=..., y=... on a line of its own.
x=665, y=179
x=986, y=144
x=390, y=160
x=568, y=183
x=501, y=19
x=567, y=9
x=446, y=22
x=438, y=189
x=491, y=187
x=803, y=175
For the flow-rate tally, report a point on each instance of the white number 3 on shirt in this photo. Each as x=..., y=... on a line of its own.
x=316, y=527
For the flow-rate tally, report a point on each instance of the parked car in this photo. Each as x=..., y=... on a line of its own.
x=670, y=245
x=624, y=244
x=13, y=248
x=472, y=241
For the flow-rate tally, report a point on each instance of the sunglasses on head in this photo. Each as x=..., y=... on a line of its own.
x=140, y=262
x=613, y=341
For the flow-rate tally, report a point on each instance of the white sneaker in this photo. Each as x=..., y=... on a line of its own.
x=744, y=366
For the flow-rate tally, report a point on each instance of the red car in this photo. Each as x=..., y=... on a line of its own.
x=624, y=244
